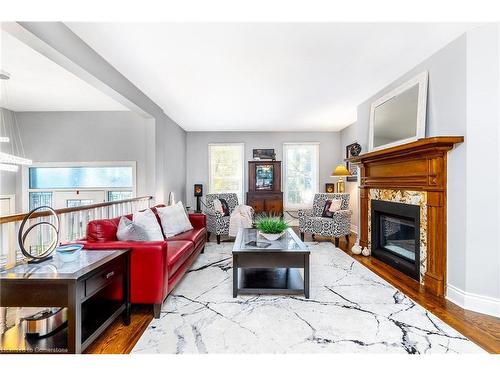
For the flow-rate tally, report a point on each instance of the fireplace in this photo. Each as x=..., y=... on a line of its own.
x=395, y=235
x=417, y=167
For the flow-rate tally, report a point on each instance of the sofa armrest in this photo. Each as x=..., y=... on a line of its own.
x=198, y=221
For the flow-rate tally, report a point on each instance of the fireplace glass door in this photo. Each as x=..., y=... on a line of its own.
x=398, y=236
x=395, y=235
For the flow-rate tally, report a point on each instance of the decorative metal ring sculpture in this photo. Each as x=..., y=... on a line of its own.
x=21, y=237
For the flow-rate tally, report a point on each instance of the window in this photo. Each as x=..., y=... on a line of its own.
x=78, y=202
x=225, y=164
x=119, y=195
x=40, y=198
x=64, y=184
x=80, y=177
x=301, y=177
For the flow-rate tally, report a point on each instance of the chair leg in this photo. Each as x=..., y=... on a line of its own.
x=302, y=236
x=313, y=237
x=208, y=236
x=336, y=242
x=218, y=239
x=202, y=250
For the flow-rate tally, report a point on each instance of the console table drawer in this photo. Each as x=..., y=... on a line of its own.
x=103, y=278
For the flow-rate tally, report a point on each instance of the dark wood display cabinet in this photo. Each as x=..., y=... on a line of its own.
x=264, y=187
x=94, y=289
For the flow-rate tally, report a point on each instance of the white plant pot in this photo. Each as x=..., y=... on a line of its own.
x=271, y=236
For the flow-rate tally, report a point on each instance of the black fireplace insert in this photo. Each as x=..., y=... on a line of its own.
x=395, y=235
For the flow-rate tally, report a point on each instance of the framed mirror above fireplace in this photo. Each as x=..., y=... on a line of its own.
x=399, y=116
x=395, y=235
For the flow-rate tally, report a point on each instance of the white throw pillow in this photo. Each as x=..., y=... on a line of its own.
x=147, y=220
x=174, y=219
x=218, y=206
x=336, y=205
x=130, y=231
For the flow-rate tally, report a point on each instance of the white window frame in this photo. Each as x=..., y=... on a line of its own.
x=295, y=207
x=241, y=197
x=25, y=177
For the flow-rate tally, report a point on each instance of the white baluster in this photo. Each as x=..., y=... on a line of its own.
x=72, y=226
x=62, y=228
x=80, y=223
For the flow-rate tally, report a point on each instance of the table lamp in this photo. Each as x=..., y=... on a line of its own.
x=340, y=171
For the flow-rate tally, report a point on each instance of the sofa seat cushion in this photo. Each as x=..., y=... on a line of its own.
x=177, y=253
x=196, y=236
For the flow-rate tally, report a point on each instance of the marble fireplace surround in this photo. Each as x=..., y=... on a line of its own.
x=414, y=172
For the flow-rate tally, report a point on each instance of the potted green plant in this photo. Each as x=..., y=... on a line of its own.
x=271, y=227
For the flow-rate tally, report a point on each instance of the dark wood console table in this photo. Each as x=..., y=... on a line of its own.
x=95, y=289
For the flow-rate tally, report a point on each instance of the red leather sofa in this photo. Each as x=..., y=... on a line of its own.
x=156, y=266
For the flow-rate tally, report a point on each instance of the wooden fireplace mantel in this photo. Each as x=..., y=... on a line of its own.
x=420, y=166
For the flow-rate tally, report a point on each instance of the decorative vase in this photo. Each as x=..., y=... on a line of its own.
x=271, y=236
x=356, y=249
x=366, y=251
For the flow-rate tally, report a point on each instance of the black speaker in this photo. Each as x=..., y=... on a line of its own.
x=198, y=190
x=198, y=193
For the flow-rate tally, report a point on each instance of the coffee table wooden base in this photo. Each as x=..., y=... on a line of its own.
x=270, y=267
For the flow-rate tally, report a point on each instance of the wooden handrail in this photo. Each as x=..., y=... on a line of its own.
x=20, y=217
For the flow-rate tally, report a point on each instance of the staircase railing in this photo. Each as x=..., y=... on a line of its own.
x=72, y=225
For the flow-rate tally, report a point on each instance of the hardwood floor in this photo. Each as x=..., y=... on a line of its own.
x=482, y=329
x=119, y=338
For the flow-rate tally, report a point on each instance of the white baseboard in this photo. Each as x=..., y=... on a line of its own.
x=475, y=302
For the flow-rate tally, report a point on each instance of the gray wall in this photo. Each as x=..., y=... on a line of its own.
x=348, y=135
x=446, y=115
x=197, y=152
x=86, y=136
x=463, y=99
x=92, y=136
x=172, y=145
x=482, y=259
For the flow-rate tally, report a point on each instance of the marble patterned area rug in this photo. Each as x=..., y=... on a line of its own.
x=350, y=310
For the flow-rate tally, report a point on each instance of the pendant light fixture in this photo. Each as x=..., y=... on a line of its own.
x=10, y=134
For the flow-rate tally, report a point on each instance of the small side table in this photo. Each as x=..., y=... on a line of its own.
x=95, y=289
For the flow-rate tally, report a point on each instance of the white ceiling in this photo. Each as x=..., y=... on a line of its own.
x=39, y=84
x=264, y=76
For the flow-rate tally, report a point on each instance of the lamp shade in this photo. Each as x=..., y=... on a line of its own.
x=341, y=170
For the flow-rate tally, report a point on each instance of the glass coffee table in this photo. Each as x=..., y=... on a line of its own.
x=261, y=266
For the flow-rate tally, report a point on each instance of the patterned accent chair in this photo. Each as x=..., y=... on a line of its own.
x=216, y=223
x=311, y=221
